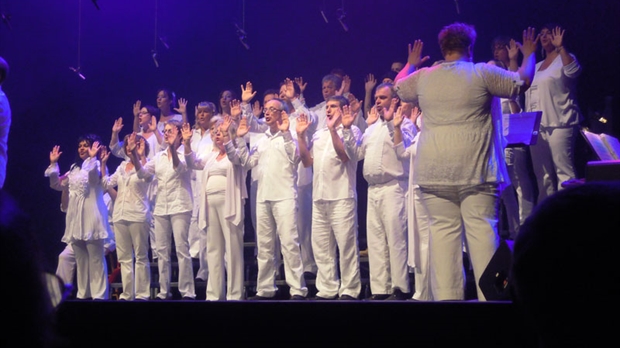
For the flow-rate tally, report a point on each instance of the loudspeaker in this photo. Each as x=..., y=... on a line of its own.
x=494, y=282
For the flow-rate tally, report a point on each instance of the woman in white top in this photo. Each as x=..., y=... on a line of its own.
x=553, y=91
x=173, y=210
x=131, y=220
x=220, y=209
x=87, y=224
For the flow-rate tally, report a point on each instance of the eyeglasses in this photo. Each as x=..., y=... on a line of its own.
x=169, y=131
x=144, y=112
x=271, y=109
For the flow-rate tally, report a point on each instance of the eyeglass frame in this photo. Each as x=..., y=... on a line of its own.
x=272, y=109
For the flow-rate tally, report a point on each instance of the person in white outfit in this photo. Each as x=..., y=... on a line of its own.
x=131, y=220
x=221, y=201
x=276, y=157
x=202, y=145
x=553, y=92
x=173, y=210
x=86, y=221
x=334, y=199
x=460, y=165
x=386, y=218
x=5, y=122
x=417, y=217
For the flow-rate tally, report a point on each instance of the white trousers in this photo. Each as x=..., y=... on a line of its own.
x=132, y=251
x=552, y=159
x=276, y=221
x=66, y=265
x=334, y=242
x=519, y=198
x=92, y=272
x=419, y=245
x=176, y=225
x=304, y=227
x=224, y=246
x=461, y=214
x=386, y=235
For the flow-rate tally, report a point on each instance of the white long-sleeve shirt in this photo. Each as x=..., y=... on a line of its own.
x=276, y=156
x=174, y=191
x=132, y=200
x=333, y=179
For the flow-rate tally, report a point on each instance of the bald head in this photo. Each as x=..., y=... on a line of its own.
x=4, y=69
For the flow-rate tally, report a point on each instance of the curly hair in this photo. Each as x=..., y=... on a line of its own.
x=456, y=37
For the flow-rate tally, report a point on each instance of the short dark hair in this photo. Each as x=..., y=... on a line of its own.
x=340, y=99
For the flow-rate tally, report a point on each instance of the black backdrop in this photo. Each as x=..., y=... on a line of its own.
x=112, y=45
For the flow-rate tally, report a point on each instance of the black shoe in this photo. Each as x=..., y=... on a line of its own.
x=319, y=298
x=187, y=298
x=347, y=298
x=260, y=298
x=378, y=297
x=298, y=298
x=397, y=296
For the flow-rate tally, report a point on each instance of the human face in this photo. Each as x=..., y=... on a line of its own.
x=383, y=98
x=329, y=89
x=268, y=97
x=397, y=66
x=225, y=99
x=145, y=117
x=332, y=108
x=500, y=53
x=203, y=117
x=171, y=133
x=163, y=101
x=83, y=148
x=217, y=135
x=546, y=38
x=273, y=112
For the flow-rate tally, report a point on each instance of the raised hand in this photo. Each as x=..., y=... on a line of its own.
x=141, y=147
x=131, y=142
x=557, y=36
x=55, y=154
x=347, y=116
x=415, y=114
x=235, y=109
x=257, y=110
x=530, y=40
x=247, y=93
x=415, y=54
x=186, y=132
x=283, y=123
x=300, y=82
x=94, y=149
x=118, y=125
x=346, y=84
x=290, y=89
x=153, y=124
x=388, y=113
x=182, y=109
x=302, y=124
x=370, y=83
x=105, y=155
x=354, y=103
x=373, y=116
x=225, y=126
x=136, y=108
x=513, y=49
x=398, y=117
x=242, y=128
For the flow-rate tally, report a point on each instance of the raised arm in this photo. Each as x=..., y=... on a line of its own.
x=182, y=109
x=528, y=65
x=336, y=140
x=136, y=116
x=414, y=59
x=301, y=128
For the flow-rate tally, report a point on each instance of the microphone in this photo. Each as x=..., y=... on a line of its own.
x=154, y=55
x=7, y=20
x=324, y=16
x=77, y=71
x=341, y=17
x=95, y=3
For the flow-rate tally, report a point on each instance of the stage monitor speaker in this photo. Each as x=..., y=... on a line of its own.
x=494, y=282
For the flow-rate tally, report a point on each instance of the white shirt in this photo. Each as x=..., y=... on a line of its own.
x=333, y=179
x=174, y=192
x=276, y=157
x=132, y=200
x=5, y=125
x=381, y=165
